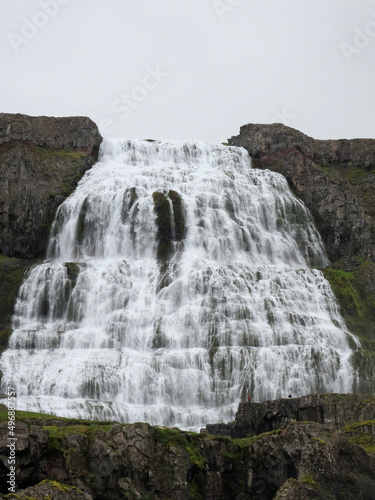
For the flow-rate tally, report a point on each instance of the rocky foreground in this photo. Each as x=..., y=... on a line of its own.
x=314, y=447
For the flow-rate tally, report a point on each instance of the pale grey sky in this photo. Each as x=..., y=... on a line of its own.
x=192, y=69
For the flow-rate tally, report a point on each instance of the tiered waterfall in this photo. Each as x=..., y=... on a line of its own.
x=178, y=280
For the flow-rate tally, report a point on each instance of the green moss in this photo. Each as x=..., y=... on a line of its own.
x=188, y=441
x=57, y=422
x=188, y=444
x=354, y=292
x=344, y=287
x=361, y=182
x=62, y=154
x=330, y=171
x=11, y=276
x=54, y=485
x=354, y=175
x=247, y=442
x=308, y=479
x=321, y=441
x=73, y=171
x=362, y=434
x=68, y=167
x=17, y=497
x=59, y=486
x=365, y=442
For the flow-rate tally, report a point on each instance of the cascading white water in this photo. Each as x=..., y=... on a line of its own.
x=178, y=280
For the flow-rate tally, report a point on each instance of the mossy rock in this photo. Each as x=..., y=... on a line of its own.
x=11, y=276
x=188, y=441
x=48, y=490
x=353, y=283
x=178, y=215
x=171, y=222
x=81, y=223
x=72, y=271
x=159, y=339
x=164, y=223
x=362, y=434
x=129, y=200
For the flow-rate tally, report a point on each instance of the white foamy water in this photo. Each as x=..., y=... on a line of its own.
x=110, y=328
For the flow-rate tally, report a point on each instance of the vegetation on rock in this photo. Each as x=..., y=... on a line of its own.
x=107, y=460
x=11, y=275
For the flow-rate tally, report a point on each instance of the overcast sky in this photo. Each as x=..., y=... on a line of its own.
x=192, y=69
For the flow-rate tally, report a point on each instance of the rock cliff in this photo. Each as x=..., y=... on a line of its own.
x=334, y=178
x=333, y=458
x=334, y=410
x=41, y=161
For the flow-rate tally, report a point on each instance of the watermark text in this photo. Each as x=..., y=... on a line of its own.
x=126, y=102
x=30, y=27
x=224, y=7
x=11, y=440
x=361, y=39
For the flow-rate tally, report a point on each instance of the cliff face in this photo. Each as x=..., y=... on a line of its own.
x=336, y=181
x=334, y=178
x=41, y=161
x=334, y=410
x=112, y=461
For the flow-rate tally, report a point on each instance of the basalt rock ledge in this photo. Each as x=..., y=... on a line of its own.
x=333, y=410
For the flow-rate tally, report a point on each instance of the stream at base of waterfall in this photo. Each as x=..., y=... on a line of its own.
x=178, y=280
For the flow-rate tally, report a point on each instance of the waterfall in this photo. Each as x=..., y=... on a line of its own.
x=177, y=281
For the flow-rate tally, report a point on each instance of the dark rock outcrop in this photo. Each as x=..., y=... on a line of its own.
x=50, y=490
x=334, y=178
x=41, y=162
x=11, y=275
x=74, y=132
x=334, y=410
x=105, y=460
